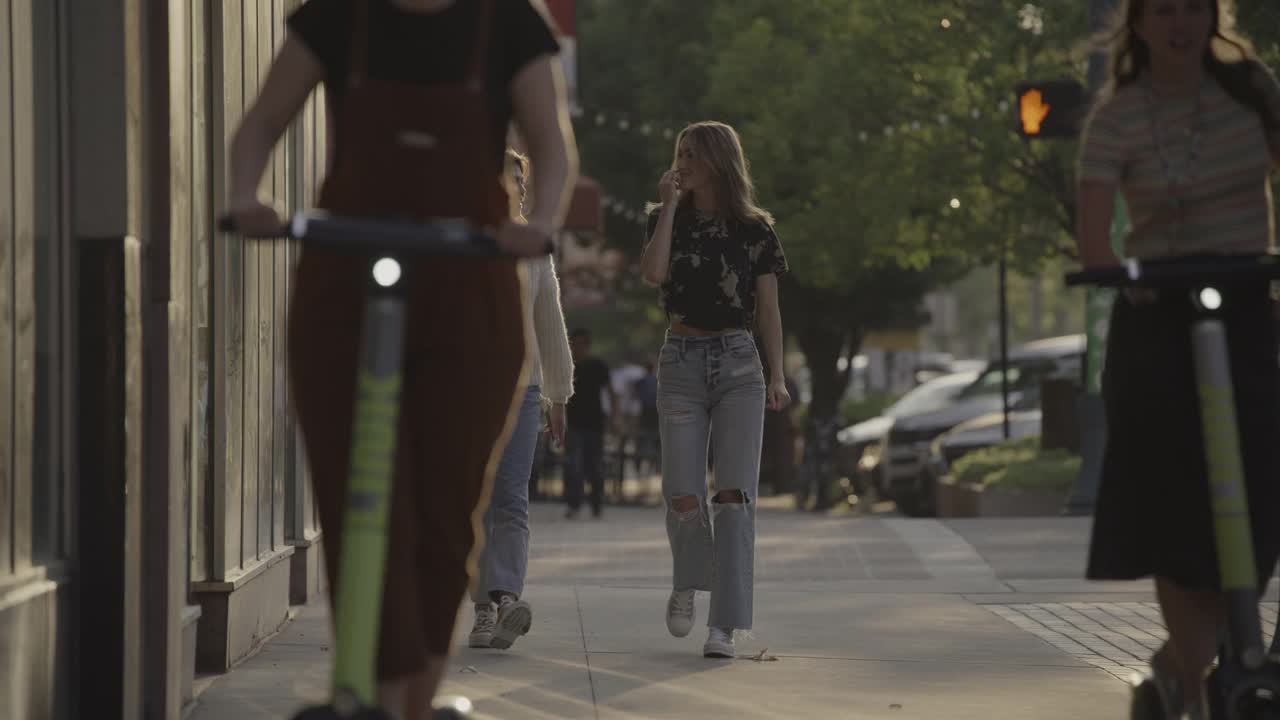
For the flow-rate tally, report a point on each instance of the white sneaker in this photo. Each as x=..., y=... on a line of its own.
x=719, y=643
x=482, y=630
x=681, y=612
x=515, y=617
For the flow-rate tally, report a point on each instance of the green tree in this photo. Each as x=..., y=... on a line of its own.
x=881, y=134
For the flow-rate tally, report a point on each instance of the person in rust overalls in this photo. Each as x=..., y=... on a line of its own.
x=422, y=92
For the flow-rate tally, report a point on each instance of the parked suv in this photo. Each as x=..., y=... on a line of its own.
x=860, y=446
x=905, y=459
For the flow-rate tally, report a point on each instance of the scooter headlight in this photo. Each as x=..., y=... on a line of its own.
x=1210, y=298
x=386, y=272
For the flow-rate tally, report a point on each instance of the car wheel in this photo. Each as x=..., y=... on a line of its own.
x=918, y=499
x=929, y=491
x=907, y=501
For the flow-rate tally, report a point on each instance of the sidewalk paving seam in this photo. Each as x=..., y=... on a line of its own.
x=586, y=654
x=944, y=553
x=862, y=558
x=774, y=588
x=843, y=658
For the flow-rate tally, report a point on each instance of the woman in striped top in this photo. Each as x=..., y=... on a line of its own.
x=1188, y=133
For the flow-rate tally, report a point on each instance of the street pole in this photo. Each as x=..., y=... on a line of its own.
x=1089, y=408
x=1004, y=337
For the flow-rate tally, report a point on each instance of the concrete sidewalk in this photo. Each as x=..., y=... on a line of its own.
x=856, y=617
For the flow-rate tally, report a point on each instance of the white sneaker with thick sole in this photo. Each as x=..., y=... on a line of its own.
x=681, y=612
x=719, y=643
x=515, y=617
x=482, y=630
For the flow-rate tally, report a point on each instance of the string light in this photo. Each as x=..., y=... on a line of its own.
x=621, y=209
x=649, y=128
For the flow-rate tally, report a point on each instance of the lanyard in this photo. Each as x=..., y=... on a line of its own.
x=1179, y=178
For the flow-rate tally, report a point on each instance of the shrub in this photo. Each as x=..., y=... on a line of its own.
x=1018, y=463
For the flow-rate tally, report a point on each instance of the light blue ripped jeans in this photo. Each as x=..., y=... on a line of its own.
x=708, y=384
x=505, y=557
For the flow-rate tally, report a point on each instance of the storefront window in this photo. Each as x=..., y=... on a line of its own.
x=48, y=466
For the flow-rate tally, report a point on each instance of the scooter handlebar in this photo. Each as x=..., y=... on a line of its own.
x=1181, y=272
x=454, y=237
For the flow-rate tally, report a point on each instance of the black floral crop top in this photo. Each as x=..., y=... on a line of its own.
x=714, y=265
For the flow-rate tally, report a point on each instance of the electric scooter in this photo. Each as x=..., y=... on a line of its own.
x=384, y=245
x=1245, y=683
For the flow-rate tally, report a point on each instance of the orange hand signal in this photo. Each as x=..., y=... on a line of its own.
x=1033, y=110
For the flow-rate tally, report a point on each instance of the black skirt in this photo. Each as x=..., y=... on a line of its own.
x=1153, y=516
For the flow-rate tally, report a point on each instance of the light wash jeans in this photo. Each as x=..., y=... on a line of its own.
x=705, y=383
x=504, y=560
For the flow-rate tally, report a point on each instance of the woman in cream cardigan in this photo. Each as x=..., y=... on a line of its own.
x=501, y=616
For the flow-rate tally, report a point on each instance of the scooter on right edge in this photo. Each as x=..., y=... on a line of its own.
x=1245, y=682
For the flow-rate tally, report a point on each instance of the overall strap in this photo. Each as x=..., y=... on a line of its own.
x=359, y=43
x=480, y=54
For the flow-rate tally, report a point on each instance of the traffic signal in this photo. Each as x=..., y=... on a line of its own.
x=1054, y=108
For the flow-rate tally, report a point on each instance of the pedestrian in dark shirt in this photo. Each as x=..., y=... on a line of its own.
x=587, y=422
x=715, y=255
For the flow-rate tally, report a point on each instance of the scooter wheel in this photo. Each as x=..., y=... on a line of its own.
x=1253, y=701
x=1146, y=703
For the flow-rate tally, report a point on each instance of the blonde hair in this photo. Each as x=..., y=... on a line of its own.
x=719, y=146
x=517, y=161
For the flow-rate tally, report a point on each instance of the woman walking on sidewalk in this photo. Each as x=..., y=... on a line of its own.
x=421, y=93
x=1188, y=132
x=716, y=257
x=501, y=616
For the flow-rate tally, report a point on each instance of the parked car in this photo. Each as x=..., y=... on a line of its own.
x=929, y=366
x=858, y=448
x=906, y=451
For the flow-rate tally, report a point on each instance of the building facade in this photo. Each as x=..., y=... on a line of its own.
x=154, y=514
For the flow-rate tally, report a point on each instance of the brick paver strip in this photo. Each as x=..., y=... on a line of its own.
x=1116, y=637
